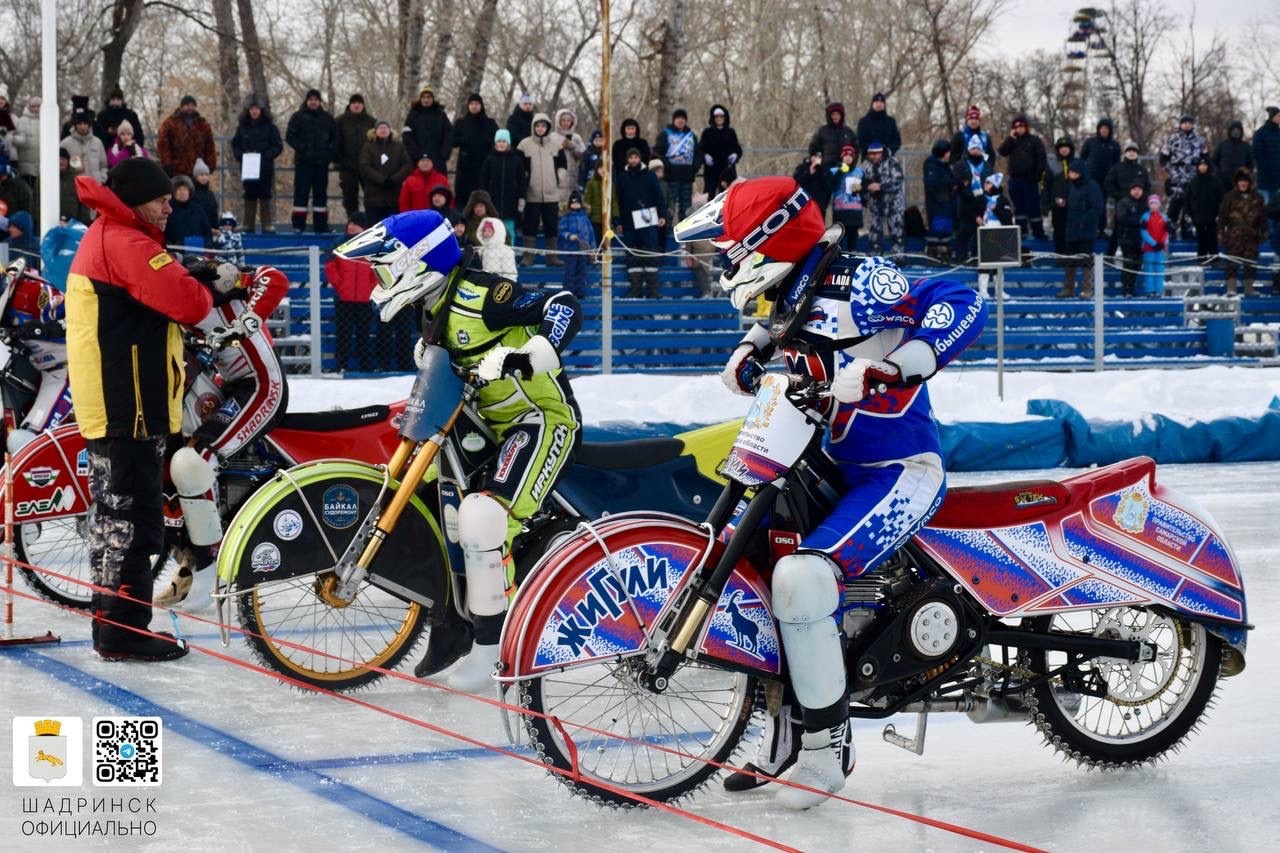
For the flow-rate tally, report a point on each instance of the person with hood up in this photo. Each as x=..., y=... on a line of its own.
x=544, y=160
x=1120, y=179
x=576, y=236
x=256, y=133
x=814, y=179
x=939, y=201
x=1179, y=155
x=972, y=128
x=88, y=154
x=1028, y=162
x=107, y=125
x=503, y=179
x=1232, y=154
x=639, y=208
x=313, y=135
x=1242, y=226
x=1101, y=152
x=629, y=139
x=1085, y=207
x=719, y=149
x=971, y=203
x=884, y=185
x=574, y=148
x=473, y=137
x=26, y=141
x=427, y=129
x=442, y=203
x=383, y=166
x=479, y=205
x=1155, y=247
x=23, y=239
x=846, y=197
x=1204, y=196
x=183, y=138
x=520, y=122
x=677, y=145
x=1056, y=190
x=203, y=193
x=878, y=126
x=495, y=253
x=188, y=223
x=125, y=145
x=1266, y=153
x=415, y=192
x=354, y=126
x=1128, y=234
x=594, y=155
x=829, y=139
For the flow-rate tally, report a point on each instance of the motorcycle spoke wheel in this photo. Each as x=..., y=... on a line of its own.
x=296, y=632
x=663, y=740
x=1149, y=706
x=60, y=545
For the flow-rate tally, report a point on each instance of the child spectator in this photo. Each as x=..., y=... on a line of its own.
x=593, y=199
x=677, y=145
x=352, y=282
x=502, y=179
x=23, y=238
x=1155, y=239
x=998, y=210
x=576, y=236
x=202, y=192
x=660, y=172
x=1242, y=226
x=442, y=201
x=846, y=196
x=1129, y=212
x=229, y=240
x=969, y=175
x=939, y=201
x=479, y=207
x=415, y=192
x=496, y=255
x=124, y=146
x=1204, y=196
x=593, y=157
x=188, y=224
x=460, y=229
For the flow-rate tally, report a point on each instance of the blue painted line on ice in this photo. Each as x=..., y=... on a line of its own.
x=277, y=767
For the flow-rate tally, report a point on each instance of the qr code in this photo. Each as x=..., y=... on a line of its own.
x=126, y=750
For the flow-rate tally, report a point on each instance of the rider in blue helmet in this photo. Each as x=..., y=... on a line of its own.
x=512, y=339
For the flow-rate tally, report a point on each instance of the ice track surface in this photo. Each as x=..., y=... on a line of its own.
x=252, y=765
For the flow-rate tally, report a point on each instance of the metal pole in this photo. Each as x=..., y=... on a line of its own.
x=8, y=546
x=48, y=171
x=1000, y=333
x=1098, y=342
x=606, y=196
x=313, y=295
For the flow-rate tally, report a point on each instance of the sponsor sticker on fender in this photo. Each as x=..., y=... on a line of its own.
x=287, y=525
x=41, y=477
x=62, y=500
x=265, y=558
x=340, y=507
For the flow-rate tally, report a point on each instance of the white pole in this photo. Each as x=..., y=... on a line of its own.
x=1000, y=333
x=313, y=293
x=49, y=140
x=1099, y=340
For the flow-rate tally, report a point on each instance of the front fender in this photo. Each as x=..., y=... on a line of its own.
x=581, y=606
x=50, y=476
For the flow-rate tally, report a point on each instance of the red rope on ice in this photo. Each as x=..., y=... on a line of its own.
x=573, y=773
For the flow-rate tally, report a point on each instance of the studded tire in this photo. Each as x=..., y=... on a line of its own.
x=59, y=544
x=1149, y=709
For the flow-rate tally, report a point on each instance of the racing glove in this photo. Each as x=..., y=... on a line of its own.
x=219, y=276
x=863, y=378
x=244, y=326
x=536, y=356
x=742, y=373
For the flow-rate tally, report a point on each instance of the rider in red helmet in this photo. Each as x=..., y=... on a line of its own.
x=858, y=324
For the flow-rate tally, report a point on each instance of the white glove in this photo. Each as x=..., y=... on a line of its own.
x=742, y=372
x=863, y=378
x=709, y=160
x=536, y=356
x=420, y=353
x=244, y=326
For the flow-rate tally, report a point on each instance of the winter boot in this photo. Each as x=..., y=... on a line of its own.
x=553, y=260
x=636, y=291
x=651, y=285
x=268, y=227
x=1231, y=283
x=1068, y=284
x=1248, y=287
x=250, y=215
x=1086, y=289
x=1275, y=284
x=526, y=260
x=778, y=750
x=320, y=219
x=119, y=644
x=826, y=759
x=299, y=219
x=448, y=641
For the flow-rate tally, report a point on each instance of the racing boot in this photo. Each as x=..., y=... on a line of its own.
x=482, y=533
x=826, y=759
x=449, y=640
x=778, y=750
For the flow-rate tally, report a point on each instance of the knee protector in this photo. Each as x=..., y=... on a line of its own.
x=805, y=598
x=194, y=479
x=482, y=533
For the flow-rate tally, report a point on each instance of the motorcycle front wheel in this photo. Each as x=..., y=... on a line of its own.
x=60, y=545
x=1148, y=708
x=659, y=743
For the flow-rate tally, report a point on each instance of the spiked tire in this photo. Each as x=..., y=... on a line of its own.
x=1149, y=708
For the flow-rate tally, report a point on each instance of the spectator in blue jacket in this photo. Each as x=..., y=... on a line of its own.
x=576, y=236
x=677, y=145
x=846, y=196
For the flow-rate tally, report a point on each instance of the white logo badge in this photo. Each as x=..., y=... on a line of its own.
x=939, y=316
x=265, y=558
x=48, y=752
x=287, y=525
x=888, y=285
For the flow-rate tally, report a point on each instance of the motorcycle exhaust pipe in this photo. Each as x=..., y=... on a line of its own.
x=997, y=709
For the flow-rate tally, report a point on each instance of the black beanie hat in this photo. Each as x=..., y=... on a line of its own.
x=940, y=147
x=356, y=99
x=680, y=113
x=187, y=99
x=137, y=181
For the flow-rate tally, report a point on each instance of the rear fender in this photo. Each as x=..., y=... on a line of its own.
x=372, y=443
x=573, y=610
x=50, y=476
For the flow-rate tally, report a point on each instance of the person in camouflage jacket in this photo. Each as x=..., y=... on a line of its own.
x=1179, y=155
x=1242, y=226
x=883, y=185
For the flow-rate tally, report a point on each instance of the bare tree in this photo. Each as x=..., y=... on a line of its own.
x=670, y=49
x=228, y=59
x=1202, y=80
x=441, y=47
x=125, y=17
x=253, y=51
x=1137, y=30
x=950, y=31
x=473, y=74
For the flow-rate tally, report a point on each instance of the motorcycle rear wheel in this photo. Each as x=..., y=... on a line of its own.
x=60, y=545
x=334, y=645
x=701, y=716
x=1149, y=707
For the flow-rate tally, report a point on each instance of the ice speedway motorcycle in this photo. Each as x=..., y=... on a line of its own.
x=339, y=565
x=1103, y=608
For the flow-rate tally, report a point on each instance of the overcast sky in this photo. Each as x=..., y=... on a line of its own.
x=1044, y=24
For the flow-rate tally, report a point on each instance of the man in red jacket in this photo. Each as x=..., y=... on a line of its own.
x=415, y=192
x=126, y=297
x=353, y=282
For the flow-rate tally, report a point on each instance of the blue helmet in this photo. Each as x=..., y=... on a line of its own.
x=412, y=255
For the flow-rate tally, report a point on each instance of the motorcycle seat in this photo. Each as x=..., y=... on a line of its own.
x=1013, y=504
x=639, y=453
x=337, y=419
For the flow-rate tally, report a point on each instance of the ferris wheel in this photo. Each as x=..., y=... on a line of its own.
x=1090, y=88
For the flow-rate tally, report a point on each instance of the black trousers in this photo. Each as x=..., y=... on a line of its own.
x=126, y=484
